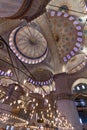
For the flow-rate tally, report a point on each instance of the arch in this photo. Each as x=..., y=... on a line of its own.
x=78, y=81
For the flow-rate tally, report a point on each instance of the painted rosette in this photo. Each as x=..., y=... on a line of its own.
x=67, y=32
x=28, y=44
x=76, y=63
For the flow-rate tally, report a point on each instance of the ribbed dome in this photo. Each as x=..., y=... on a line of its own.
x=28, y=44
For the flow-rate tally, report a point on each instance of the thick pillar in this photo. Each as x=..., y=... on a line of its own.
x=65, y=102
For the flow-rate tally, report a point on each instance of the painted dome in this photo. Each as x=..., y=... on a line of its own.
x=28, y=44
x=67, y=32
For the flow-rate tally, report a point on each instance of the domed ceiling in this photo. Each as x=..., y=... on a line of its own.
x=31, y=53
x=52, y=41
x=67, y=33
x=28, y=44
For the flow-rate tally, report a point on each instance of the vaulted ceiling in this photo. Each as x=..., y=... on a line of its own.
x=38, y=46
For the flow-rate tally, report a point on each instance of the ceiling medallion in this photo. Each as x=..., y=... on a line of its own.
x=28, y=44
x=69, y=32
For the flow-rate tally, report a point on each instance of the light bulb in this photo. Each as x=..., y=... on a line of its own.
x=27, y=94
x=6, y=97
x=36, y=104
x=19, y=101
x=34, y=100
x=10, y=104
x=14, y=102
x=25, y=81
x=16, y=87
x=9, y=71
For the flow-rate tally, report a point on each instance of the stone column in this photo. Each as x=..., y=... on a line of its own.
x=65, y=102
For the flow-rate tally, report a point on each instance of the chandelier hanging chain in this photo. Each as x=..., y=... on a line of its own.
x=8, y=49
x=12, y=52
x=10, y=58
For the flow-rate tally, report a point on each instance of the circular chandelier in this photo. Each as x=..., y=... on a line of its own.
x=28, y=44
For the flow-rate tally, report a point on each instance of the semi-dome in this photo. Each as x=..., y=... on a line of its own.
x=39, y=79
x=76, y=63
x=67, y=32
